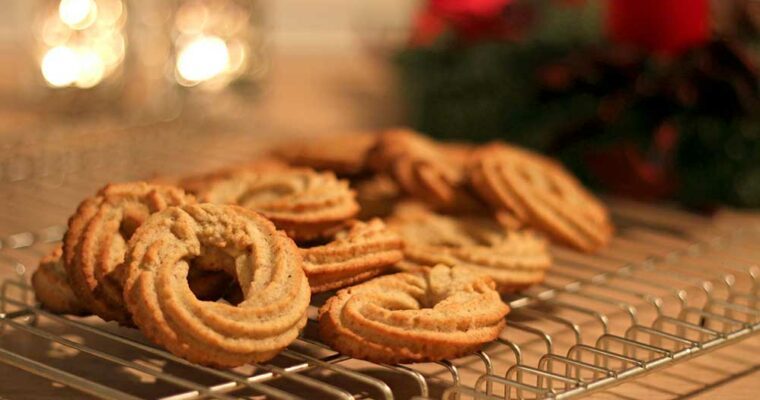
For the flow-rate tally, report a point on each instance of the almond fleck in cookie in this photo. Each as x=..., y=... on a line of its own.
x=96, y=241
x=438, y=313
x=51, y=287
x=356, y=253
x=427, y=170
x=305, y=204
x=268, y=270
x=342, y=154
x=514, y=259
x=540, y=192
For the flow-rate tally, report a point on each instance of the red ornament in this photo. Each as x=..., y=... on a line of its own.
x=660, y=26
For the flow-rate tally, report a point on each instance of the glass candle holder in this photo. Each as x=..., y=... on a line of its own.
x=96, y=56
x=217, y=43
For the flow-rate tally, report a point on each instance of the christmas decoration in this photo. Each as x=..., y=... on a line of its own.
x=633, y=104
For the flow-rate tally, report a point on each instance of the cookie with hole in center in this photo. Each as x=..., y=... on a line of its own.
x=267, y=268
x=539, y=192
x=513, y=259
x=435, y=314
x=96, y=241
x=304, y=203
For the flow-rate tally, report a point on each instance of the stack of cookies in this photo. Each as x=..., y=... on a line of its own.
x=220, y=268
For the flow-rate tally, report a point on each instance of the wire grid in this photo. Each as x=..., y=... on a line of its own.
x=686, y=288
x=670, y=287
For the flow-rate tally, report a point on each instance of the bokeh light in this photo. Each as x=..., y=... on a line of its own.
x=60, y=66
x=202, y=59
x=77, y=14
x=83, y=42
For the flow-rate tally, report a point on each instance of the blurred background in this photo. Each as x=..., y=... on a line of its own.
x=652, y=99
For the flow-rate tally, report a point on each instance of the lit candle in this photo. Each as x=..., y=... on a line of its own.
x=82, y=42
x=211, y=43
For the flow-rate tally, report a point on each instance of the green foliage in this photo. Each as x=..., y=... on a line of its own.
x=571, y=100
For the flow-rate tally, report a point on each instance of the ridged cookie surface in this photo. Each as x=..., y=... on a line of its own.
x=304, y=203
x=427, y=170
x=267, y=267
x=540, y=192
x=439, y=313
x=356, y=253
x=514, y=259
x=96, y=241
x=51, y=287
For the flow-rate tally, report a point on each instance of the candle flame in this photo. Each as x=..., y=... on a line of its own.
x=202, y=59
x=77, y=14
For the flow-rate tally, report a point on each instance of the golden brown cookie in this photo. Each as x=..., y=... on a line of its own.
x=305, y=204
x=356, y=253
x=513, y=259
x=432, y=315
x=267, y=269
x=541, y=193
x=376, y=196
x=427, y=170
x=342, y=154
x=96, y=241
x=51, y=287
x=198, y=183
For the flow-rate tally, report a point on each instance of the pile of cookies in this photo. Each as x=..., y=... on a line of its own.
x=220, y=268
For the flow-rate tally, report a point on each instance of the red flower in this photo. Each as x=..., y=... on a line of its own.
x=660, y=26
x=469, y=9
x=428, y=26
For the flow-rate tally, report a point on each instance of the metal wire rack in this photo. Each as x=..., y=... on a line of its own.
x=672, y=286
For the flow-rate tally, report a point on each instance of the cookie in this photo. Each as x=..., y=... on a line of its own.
x=539, y=192
x=376, y=196
x=356, y=253
x=198, y=183
x=427, y=170
x=513, y=259
x=52, y=288
x=268, y=269
x=305, y=204
x=436, y=314
x=96, y=241
x=343, y=154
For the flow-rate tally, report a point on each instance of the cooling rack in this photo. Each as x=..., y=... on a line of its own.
x=671, y=287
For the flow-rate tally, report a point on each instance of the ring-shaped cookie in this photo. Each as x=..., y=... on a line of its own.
x=513, y=259
x=304, y=203
x=438, y=313
x=539, y=191
x=96, y=241
x=267, y=268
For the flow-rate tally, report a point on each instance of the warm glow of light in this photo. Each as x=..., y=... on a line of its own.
x=109, y=12
x=202, y=59
x=63, y=66
x=91, y=69
x=78, y=14
x=60, y=66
